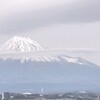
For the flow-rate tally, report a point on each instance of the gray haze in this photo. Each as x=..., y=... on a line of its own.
x=53, y=23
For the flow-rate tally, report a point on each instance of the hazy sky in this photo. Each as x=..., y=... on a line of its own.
x=53, y=23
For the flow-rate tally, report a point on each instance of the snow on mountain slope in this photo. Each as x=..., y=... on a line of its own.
x=20, y=44
x=22, y=49
x=26, y=66
x=43, y=57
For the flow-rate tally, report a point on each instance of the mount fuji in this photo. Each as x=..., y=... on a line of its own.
x=25, y=49
x=26, y=66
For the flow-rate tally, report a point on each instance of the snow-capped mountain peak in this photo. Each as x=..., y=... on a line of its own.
x=18, y=48
x=21, y=44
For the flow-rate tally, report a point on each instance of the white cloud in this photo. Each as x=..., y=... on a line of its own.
x=65, y=19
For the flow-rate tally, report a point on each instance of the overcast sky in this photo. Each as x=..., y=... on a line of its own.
x=52, y=23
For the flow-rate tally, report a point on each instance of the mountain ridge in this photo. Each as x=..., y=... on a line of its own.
x=24, y=67
x=25, y=49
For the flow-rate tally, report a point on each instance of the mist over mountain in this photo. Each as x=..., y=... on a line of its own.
x=27, y=66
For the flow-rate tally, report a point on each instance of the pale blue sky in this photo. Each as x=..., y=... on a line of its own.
x=53, y=23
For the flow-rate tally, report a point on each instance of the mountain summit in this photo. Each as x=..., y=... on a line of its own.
x=20, y=44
